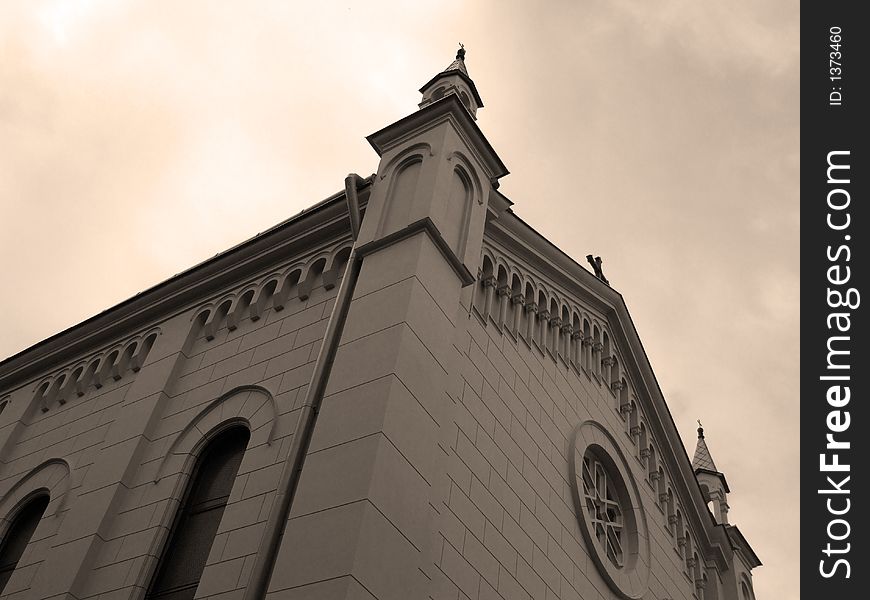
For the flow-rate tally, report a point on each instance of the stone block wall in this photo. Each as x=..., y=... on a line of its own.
x=512, y=529
x=440, y=465
x=116, y=459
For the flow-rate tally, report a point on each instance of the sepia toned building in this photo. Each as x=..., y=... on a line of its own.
x=404, y=391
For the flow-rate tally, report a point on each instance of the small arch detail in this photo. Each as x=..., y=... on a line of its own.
x=112, y=363
x=274, y=290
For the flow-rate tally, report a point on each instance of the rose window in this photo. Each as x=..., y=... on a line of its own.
x=603, y=508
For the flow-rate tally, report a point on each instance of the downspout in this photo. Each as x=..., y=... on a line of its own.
x=267, y=552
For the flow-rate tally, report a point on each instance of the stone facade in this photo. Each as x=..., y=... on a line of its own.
x=489, y=424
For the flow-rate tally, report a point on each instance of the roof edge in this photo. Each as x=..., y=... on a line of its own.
x=448, y=107
x=178, y=290
x=612, y=304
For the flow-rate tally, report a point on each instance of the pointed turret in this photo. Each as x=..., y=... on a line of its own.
x=712, y=481
x=436, y=173
x=702, y=459
x=453, y=80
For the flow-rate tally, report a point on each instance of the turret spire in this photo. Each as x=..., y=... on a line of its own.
x=712, y=481
x=458, y=63
x=702, y=459
x=453, y=80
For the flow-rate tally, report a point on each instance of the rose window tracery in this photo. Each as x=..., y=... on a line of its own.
x=603, y=508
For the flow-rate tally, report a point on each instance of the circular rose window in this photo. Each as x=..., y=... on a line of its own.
x=602, y=507
x=609, y=509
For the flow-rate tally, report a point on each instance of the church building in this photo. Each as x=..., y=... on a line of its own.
x=404, y=391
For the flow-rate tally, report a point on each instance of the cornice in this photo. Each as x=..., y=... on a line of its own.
x=324, y=220
x=427, y=226
x=449, y=108
x=717, y=474
x=463, y=77
x=742, y=546
x=515, y=234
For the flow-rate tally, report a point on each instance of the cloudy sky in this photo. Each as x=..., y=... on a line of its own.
x=139, y=138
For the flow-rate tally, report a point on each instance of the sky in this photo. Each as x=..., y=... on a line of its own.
x=140, y=138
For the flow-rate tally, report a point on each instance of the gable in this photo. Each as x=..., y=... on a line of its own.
x=599, y=346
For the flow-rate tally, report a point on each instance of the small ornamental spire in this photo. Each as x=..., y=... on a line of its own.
x=711, y=480
x=454, y=80
x=702, y=459
x=458, y=63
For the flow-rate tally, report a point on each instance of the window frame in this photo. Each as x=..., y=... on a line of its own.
x=14, y=522
x=182, y=514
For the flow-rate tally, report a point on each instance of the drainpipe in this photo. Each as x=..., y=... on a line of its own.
x=267, y=552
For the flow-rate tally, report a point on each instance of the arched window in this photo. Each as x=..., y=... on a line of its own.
x=18, y=536
x=464, y=97
x=196, y=524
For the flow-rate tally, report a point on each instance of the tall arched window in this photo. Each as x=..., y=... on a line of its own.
x=196, y=524
x=18, y=535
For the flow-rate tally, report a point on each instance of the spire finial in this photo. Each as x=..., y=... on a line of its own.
x=700, y=430
x=453, y=80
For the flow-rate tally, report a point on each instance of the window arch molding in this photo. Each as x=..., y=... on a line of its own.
x=18, y=529
x=251, y=406
x=9, y=517
x=188, y=490
x=50, y=481
x=52, y=478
